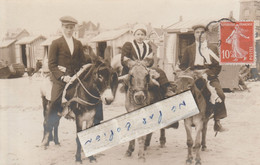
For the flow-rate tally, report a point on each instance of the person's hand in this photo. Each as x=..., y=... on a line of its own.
x=66, y=79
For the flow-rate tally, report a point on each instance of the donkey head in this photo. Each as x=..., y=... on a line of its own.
x=104, y=80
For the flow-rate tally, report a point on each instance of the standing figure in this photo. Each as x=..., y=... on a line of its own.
x=233, y=39
x=206, y=58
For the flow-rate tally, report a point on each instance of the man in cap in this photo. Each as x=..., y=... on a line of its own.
x=206, y=58
x=66, y=57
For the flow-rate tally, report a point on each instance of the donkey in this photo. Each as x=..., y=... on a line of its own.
x=95, y=85
x=141, y=90
x=204, y=95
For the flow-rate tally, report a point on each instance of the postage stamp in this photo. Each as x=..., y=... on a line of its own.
x=237, y=42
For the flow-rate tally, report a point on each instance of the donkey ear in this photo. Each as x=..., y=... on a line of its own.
x=123, y=79
x=96, y=60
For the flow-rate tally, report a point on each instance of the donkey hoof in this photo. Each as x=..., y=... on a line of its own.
x=78, y=162
x=162, y=145
x=198, y=162
x=141, y=159
x=203, y=148
x=57, y=143
x=128, y=153
x=189, y=161
x=92, y=159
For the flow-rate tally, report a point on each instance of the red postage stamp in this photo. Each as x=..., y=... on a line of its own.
x=237, y=42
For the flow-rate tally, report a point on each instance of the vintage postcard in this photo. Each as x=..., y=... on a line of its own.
x=127, y=82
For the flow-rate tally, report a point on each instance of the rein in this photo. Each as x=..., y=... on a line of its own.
x=78, y=100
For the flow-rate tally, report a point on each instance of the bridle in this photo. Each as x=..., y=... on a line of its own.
x=130, y=89
x=80, y=101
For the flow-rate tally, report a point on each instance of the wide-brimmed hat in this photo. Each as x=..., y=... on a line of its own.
x=68, y=20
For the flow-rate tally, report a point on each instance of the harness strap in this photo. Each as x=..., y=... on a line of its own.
x=80, y=101
x=85, y=89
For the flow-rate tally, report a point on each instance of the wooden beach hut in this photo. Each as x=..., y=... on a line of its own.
x=108, y=43
x=7, y=51
x=29, y=50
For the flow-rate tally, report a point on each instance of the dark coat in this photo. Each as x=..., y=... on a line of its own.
x=130, y=53
x=59, y=55
x=188, y=60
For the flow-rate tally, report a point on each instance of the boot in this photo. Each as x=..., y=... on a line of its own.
x=168, y=92
x=218, y=127
x=174, y=125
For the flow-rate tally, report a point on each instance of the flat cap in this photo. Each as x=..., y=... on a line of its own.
x=199, y=26
x=68, y=20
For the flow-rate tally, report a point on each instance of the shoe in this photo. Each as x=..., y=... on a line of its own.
x=174, y=125
x=169, y=92
x=218, y=127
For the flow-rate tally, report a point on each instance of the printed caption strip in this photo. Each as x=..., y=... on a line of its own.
x=138, y=123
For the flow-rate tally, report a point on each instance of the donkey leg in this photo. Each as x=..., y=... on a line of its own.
x=89, y=123
x=131, y=148
x=79, y=124
x=47, y=129
x=199, y=126
x=204, y=133
x=147, y=140
x=56, y=137
x=162, y=138
x=187, y=124
x=141, y=152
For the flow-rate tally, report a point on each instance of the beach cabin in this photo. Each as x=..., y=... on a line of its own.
x=109, y=43
x=7, y=51
x=29, y=50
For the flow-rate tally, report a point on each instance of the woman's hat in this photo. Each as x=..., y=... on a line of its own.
x=139, y=27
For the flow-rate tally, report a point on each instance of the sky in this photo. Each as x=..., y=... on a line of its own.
x=42, y=16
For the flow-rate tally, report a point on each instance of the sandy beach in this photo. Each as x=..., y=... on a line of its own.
x=21, y=128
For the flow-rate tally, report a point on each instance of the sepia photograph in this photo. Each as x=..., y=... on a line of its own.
x=129, y=82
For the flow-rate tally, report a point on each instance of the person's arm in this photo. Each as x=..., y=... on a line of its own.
x=242, y=35
x=53, y=61
x=227, y=40
x=214, y=68
x=126, y=60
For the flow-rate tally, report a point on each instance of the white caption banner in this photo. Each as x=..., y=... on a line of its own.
x=138, y=123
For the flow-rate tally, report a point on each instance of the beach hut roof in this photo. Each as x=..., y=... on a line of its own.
x=29, y=39
x=6, y=43
x=110, y=35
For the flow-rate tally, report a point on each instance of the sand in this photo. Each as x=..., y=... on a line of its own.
x=21, y=128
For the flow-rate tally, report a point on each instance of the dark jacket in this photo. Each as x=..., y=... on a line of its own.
x=188, y=60
x=130, y=52
x=59, y=55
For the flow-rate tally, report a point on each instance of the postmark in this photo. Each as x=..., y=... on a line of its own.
x=237, y=42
